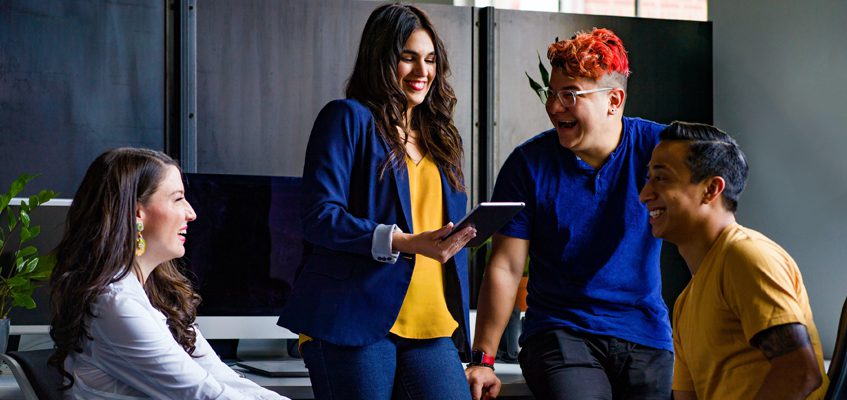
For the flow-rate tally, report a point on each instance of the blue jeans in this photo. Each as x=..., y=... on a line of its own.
x=392, y=368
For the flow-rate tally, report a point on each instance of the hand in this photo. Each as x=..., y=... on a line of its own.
x=483, y=382
x=430, y=243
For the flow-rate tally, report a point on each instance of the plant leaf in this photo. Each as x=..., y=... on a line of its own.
x=539, y=90
x=16, y=282
x=23, y=300
x=30, y=265
x=4, y=201
x=24, y=217
x=46, y=195
x=545, y=77
x=33, y=233
x=26, y=251
x=19, y=184
x=25, y=234
x=45, y=264
x=12, y=220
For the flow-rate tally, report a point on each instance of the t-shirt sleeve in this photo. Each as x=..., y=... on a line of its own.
x=682, y=380
x=681, y=376
x=759, y=287
x=514, y=183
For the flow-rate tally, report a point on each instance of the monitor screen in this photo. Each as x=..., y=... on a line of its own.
x=244, y=249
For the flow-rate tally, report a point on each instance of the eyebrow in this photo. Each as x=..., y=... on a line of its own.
x=182, y=192
x=416, y=53
x=573, y=88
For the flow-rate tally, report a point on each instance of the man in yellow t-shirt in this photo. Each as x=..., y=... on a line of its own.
x=742, y=328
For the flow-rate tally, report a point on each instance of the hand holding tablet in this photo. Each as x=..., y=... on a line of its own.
x=487, y=218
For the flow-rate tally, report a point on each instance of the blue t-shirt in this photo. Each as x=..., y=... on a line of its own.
x=594, y=265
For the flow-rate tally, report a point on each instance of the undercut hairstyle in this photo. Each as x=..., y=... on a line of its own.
x=711, y=152
x=375, y=84
x=597, y=55
x=98, y=248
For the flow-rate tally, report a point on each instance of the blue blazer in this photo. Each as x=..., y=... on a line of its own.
x=343, y=295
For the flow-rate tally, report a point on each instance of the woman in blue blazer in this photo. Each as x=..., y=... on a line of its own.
x=381, y=302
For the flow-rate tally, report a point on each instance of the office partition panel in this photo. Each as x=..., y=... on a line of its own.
x=77, y=78
x=266, y=68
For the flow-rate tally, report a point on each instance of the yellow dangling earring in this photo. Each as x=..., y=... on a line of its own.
x=140, y=243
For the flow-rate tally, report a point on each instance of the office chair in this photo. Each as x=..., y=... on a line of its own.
x=837, y=370
x=36, y=380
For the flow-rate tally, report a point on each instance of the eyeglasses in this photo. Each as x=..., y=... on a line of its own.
x=568, y=97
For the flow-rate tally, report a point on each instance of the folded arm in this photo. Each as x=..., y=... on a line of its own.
x=794, y=371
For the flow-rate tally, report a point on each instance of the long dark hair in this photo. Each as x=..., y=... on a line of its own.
x=98, y=248
x=374, y=83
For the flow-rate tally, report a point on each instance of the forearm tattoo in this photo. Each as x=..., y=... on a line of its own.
x=781, y=339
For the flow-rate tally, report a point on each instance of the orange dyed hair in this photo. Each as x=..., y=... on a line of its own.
x=590, y=55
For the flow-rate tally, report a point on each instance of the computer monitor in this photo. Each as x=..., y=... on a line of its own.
x=243, y=252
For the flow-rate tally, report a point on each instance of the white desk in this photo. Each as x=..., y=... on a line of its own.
x=296, y=388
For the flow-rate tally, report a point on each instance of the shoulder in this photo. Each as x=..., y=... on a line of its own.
x=533, y=151
x=750, y=252
x=347, y=107
x=341, y=120
x=643, y=131
x=542, y=143
x=119, y=296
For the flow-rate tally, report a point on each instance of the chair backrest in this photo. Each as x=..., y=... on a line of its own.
x=837, y=370
x=36, y=379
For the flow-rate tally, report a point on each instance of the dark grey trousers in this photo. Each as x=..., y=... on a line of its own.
x=563, y=365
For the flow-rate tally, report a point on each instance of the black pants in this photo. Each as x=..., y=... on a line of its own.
x=563, y=365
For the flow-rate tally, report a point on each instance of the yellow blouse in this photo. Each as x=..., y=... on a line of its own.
x=424, y=313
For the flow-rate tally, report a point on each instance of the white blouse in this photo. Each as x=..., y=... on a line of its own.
x=132, y=355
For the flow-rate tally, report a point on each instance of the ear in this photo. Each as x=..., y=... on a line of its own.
x=139, y=211
x=714, y=187
x=616, y=100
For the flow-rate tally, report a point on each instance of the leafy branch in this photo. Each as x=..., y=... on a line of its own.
x=21, y=270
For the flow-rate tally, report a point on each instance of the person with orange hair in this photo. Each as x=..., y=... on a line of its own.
x=596, y=326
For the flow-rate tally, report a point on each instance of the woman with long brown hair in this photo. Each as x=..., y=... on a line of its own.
x=123, y=313
x=381, y=302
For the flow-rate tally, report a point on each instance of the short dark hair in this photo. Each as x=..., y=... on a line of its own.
x=712, y=152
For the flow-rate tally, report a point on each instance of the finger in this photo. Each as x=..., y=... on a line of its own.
x=494, y=390
x=460, y=240
x=476, y=390
x=444, y=230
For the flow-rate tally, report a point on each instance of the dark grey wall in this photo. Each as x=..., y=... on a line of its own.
x=77, y=78
x=780, y=89
x=266, y=68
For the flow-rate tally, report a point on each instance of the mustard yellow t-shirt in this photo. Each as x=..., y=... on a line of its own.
x=745, y=284
x=424, y=313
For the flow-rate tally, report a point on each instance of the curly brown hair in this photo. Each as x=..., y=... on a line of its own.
x=98, y=248
x=374, y=83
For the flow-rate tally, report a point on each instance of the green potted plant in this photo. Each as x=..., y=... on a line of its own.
x=22, y=268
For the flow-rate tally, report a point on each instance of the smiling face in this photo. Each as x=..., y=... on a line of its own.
x=416, y=69
x=165, y=216
x=592, y=121
x=676, y=205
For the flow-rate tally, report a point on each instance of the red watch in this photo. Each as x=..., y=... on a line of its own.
x=480, y=358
